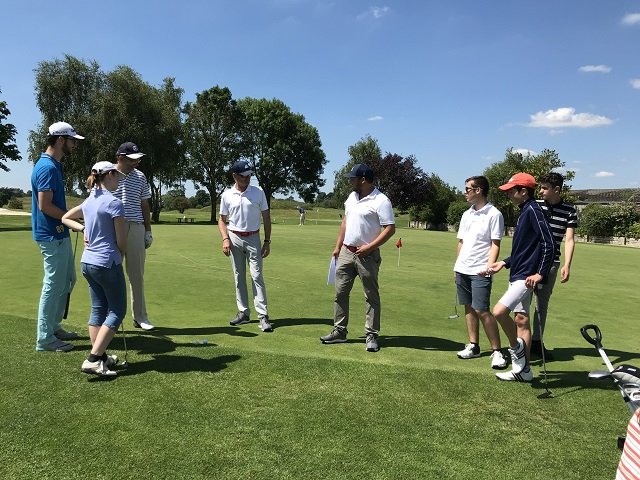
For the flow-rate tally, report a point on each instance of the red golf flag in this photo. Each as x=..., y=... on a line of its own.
x=399, y=243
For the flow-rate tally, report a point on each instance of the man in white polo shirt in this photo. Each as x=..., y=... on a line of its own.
x=367, y=224
x=133, y=191
x=479, y=237
x=243, y=206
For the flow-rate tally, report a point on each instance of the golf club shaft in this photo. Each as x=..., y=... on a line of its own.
x=66, y=307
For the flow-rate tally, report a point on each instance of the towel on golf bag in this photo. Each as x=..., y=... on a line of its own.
x=629, y=466
x=627, y=374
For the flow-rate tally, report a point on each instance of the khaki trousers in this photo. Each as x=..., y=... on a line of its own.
x=134, y=264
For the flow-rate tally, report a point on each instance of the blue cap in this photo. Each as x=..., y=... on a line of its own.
x=361, y=170
x=241, y=167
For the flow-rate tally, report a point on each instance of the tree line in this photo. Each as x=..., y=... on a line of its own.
x=199, y=140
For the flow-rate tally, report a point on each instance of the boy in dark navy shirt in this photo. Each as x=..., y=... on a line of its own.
x=532, y=254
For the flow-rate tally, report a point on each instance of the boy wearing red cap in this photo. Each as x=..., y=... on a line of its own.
x=532, y=254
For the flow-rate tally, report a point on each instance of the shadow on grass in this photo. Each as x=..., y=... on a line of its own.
x=417, y=342
x=293, y=322
x=162, y=331
x=179, y=364
x=616, y=356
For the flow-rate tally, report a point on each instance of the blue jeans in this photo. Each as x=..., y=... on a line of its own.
x=59, y=279
x=108, y=292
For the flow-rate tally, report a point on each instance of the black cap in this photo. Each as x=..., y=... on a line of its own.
x=129, y=149
x=361, y=170
x=241, y=167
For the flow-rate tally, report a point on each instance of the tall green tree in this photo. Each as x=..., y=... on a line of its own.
x=285, y=152
x=514, y=162
x=65, y=91
x=212, y=137
x=402, y=180
x=366, y=150
x=8, y=147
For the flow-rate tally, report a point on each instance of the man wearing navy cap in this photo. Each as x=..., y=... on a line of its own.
x=133, y=191
x=367, y=224
x=243, y=206
x=48, y=205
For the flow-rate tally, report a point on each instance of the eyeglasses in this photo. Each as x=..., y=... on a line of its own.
x=470, y=189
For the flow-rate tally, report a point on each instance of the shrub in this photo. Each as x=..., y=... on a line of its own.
x=15, y=203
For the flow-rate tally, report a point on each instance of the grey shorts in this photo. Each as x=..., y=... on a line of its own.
x=474, y=290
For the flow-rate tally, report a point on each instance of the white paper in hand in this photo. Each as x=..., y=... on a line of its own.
x=331, y=278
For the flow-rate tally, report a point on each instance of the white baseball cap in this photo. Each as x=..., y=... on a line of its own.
x=104, y=167
x=63, y=129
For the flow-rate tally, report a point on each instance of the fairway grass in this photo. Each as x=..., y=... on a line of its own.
x=250, y=405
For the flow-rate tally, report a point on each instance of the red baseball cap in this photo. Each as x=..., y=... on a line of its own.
x=519, y=180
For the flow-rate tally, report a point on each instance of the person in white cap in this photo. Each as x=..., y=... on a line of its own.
x=106, y=239
x=134, y=193
x=243, y=206
x=48, y=205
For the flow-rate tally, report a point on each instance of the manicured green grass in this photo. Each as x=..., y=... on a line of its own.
x=281, y=405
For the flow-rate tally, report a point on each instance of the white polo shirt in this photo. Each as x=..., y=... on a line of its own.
x=477, y=229
x=365, y=216
x=243, y=209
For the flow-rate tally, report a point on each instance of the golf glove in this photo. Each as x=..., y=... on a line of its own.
x=148, y=239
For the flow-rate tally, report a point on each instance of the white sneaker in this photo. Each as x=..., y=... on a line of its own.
x=498, y=361
x=470, y=351
x=111, y=361
x=97, y=368
x=511, y=376
x=518, y=358
x=143, y=324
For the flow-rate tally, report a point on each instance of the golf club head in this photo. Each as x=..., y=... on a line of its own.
x=451, y=317
x=599, y=375
x=545, y=394
x=125, y=365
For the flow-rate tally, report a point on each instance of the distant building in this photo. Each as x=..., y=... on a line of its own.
x=605, y=196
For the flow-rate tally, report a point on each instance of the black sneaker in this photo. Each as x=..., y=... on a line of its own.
x=240, y=319
x=336, y=336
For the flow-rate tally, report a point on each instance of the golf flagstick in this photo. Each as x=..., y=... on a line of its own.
x=399, y=246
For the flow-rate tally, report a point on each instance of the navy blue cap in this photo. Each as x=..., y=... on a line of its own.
x=241, y=167
x=361, y=170
x=130, y=149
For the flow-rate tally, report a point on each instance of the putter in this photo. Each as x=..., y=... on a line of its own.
x=124, y=364
x=66, y=308
x=547, y=392
x=455, y=309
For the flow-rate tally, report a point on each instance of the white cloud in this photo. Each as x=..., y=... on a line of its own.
x=525, y=152
x=567, y=117
x=603, y=174
x=375, y=118
x=635, y=83
x=595, y=69
x=631, y=19
x=375, y=12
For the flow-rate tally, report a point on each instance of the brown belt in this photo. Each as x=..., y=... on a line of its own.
x=245, y=234
x=351, y=248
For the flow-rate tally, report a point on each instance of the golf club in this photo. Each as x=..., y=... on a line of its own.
x=124, y=364
x=547, y=392
x=455, y=308
x=66, y=308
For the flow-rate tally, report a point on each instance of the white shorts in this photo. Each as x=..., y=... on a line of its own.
x=517, y=298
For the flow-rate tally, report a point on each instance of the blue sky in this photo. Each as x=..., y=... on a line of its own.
x=454, y=83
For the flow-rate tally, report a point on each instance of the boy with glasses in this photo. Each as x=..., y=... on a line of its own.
x=479, y=237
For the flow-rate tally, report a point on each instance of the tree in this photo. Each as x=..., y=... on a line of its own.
x=514, y=162
x=8, y=148
x=108, y=109
x=212, y=140
x=402, y=181
x=596, y=221
x=283, y=149
x=201, y=199
x=455, y=211
x=365, y=150
x=623, y=216
x=65, y=91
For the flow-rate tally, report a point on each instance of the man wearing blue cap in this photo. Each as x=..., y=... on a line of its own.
x=367, y=224
x=48, y=205
x=244, y=206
